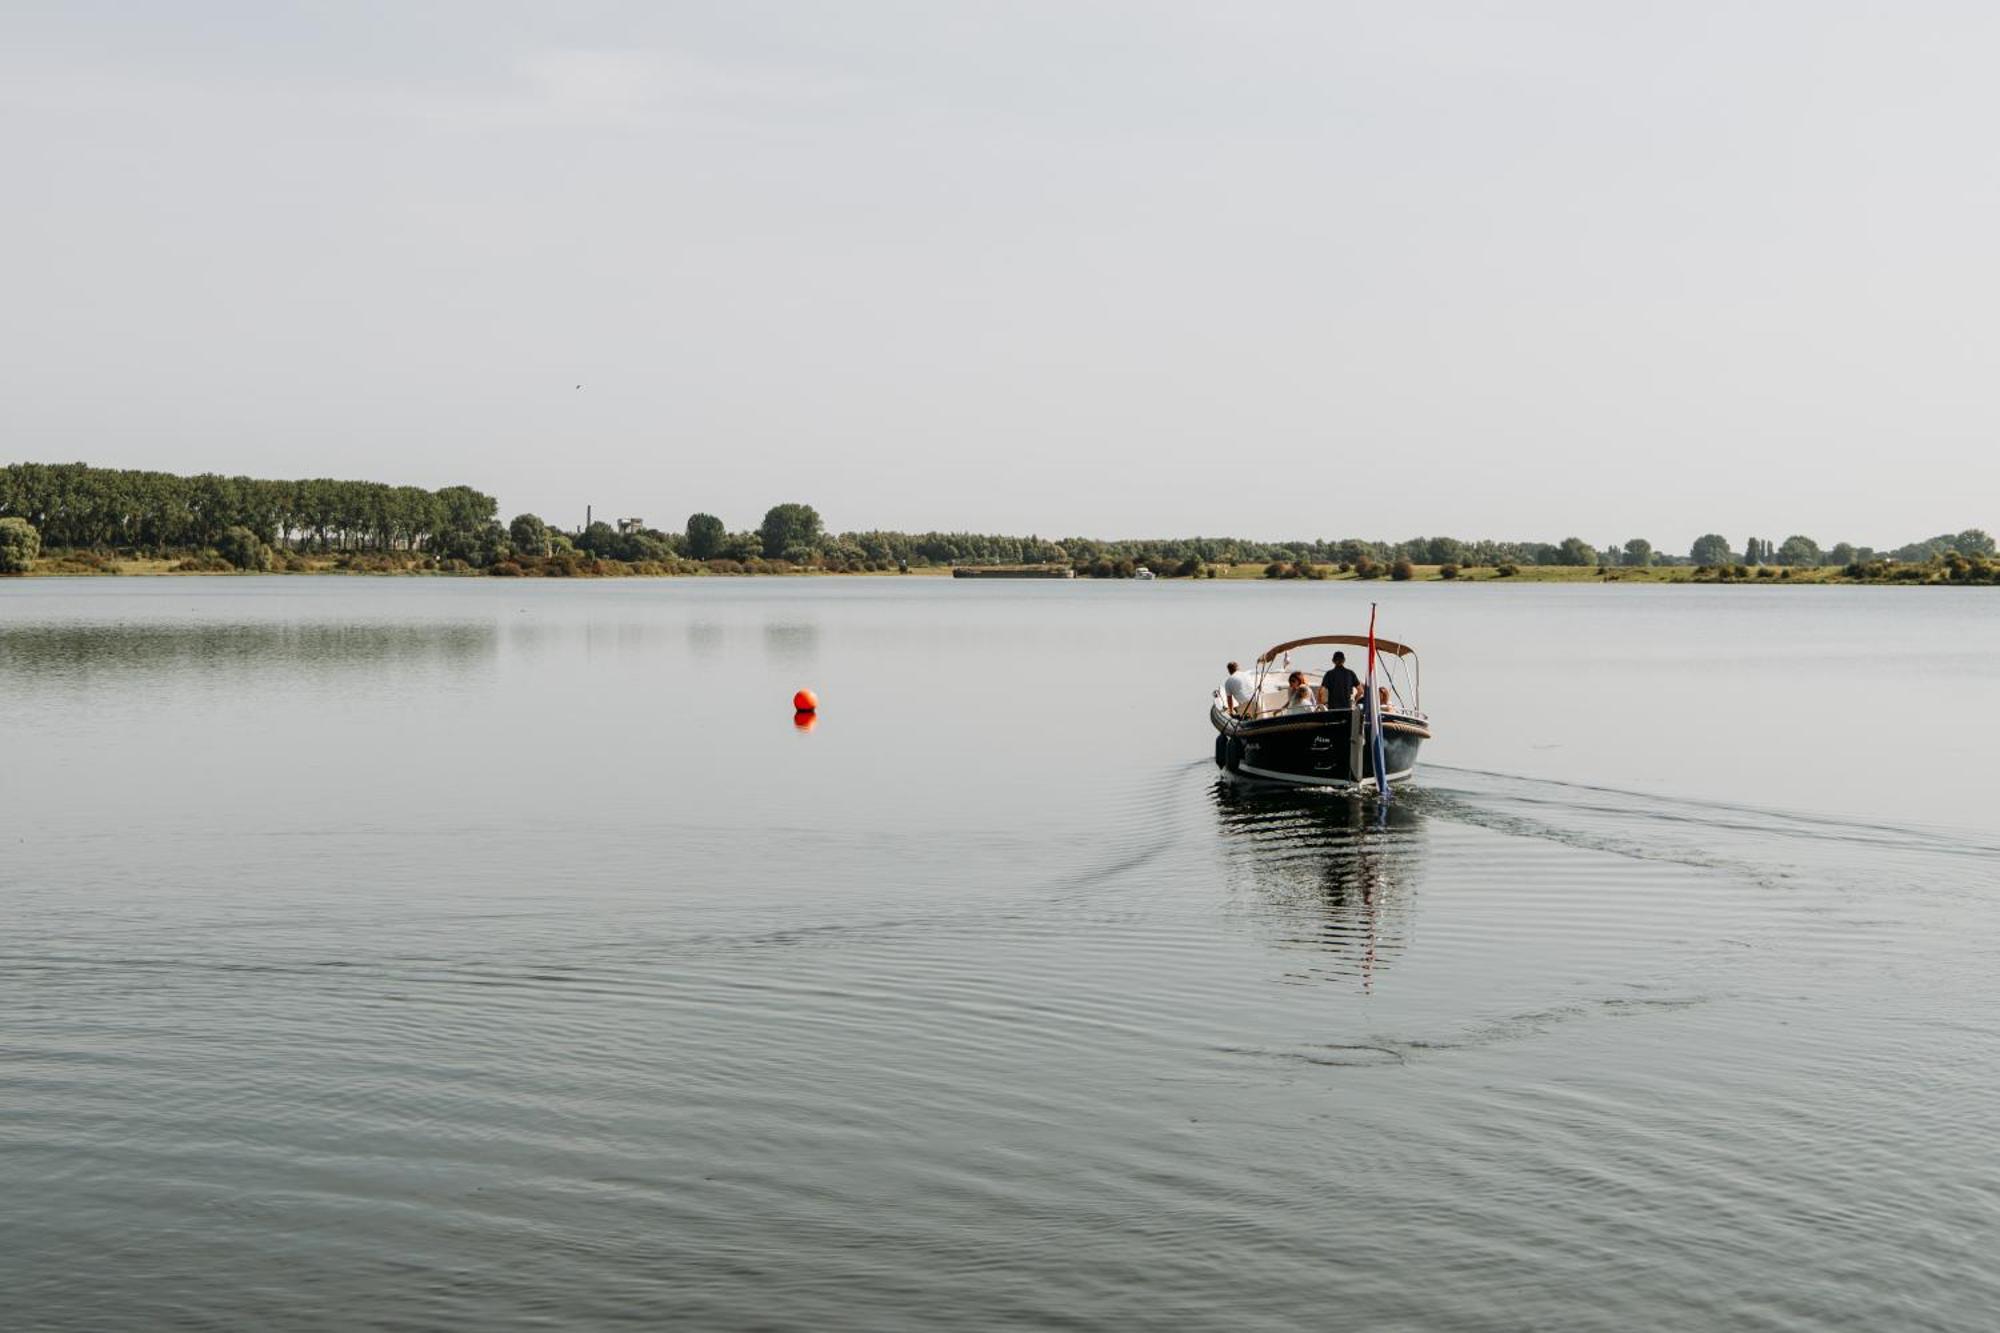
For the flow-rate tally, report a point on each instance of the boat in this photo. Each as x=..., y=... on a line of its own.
x=1328, y=745
x=1012, y=572
x=1143, y=574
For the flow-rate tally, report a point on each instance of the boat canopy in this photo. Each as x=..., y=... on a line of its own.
x=1389, y=646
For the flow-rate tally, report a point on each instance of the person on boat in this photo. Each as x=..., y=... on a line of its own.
x=1300, y=698
x=1383, y=693
x=1339, y=687
x=1239, y=690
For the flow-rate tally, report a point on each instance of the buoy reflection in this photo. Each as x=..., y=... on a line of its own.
x=804, y=720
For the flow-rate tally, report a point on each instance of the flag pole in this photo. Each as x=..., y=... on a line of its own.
x=1374, y=716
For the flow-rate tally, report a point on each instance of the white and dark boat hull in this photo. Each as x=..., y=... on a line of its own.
x=1320, y=749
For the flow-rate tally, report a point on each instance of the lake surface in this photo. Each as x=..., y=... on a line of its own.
x=413, y=954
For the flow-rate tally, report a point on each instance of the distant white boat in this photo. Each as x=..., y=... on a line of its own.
x=1144, y=573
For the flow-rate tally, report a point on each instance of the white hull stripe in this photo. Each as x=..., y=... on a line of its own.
x=1318, y=782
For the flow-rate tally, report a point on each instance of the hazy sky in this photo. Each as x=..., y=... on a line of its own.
x=1507, y=269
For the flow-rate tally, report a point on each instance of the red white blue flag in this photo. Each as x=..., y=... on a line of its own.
x=1374, y=715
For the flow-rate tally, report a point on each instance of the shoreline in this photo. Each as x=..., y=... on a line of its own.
x=87, y=565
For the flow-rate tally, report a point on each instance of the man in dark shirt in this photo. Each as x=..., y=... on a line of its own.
x=1339, y=685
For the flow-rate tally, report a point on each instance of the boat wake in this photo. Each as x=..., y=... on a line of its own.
x=1766, y=846
x=1766, y=820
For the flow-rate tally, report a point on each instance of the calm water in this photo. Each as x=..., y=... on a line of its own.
x=426, y=954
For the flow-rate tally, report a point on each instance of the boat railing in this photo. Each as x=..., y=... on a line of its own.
x=1257, y=712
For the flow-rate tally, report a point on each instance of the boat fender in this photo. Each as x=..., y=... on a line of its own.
x=1221, y=749
x=1232, y=758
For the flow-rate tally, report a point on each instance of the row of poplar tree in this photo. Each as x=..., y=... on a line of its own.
x=79, y=506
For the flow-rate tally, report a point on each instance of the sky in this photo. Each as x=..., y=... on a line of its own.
x=1515, y=270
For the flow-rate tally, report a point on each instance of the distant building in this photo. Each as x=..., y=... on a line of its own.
x=631, y=525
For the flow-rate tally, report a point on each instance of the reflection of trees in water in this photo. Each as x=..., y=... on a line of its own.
x=704, y=640
x=791, y=644
x=60, y=653
x=616, y=638
x=1341, y=870
x=787, y=643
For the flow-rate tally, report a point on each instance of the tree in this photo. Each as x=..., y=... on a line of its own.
x=1798, y=550
x=1973, y=541
x=1577, y=551
x=1843, y=553
x=529, y=535
x=243, y=549
x=466, y=527
x=19, y=545
x=1435, y=550
x=645, y=544
x=1638, y=553
x=788, y=525
x=1711, y=548
x=843, y=554
x=742, y=546
x=1353, y=552
x=480, y=545
x=705, y=535
x=1402, y=571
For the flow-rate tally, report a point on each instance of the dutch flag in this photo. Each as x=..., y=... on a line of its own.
x=1374, y=715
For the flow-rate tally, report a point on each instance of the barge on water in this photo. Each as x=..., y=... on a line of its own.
x=1012, y=572
x=1316, y=741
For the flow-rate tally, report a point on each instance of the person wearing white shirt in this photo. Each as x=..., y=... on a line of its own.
x=1238, y=689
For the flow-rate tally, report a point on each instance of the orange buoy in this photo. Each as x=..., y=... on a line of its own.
x=805, y=701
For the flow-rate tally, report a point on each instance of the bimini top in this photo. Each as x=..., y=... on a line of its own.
x=1389, y=646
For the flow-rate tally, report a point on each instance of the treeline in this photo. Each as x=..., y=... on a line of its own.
x=76, y=506
x=1948, y=565
x=1187, y=555
x=1798, y=552
x=880, y=550
x=247, y=523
